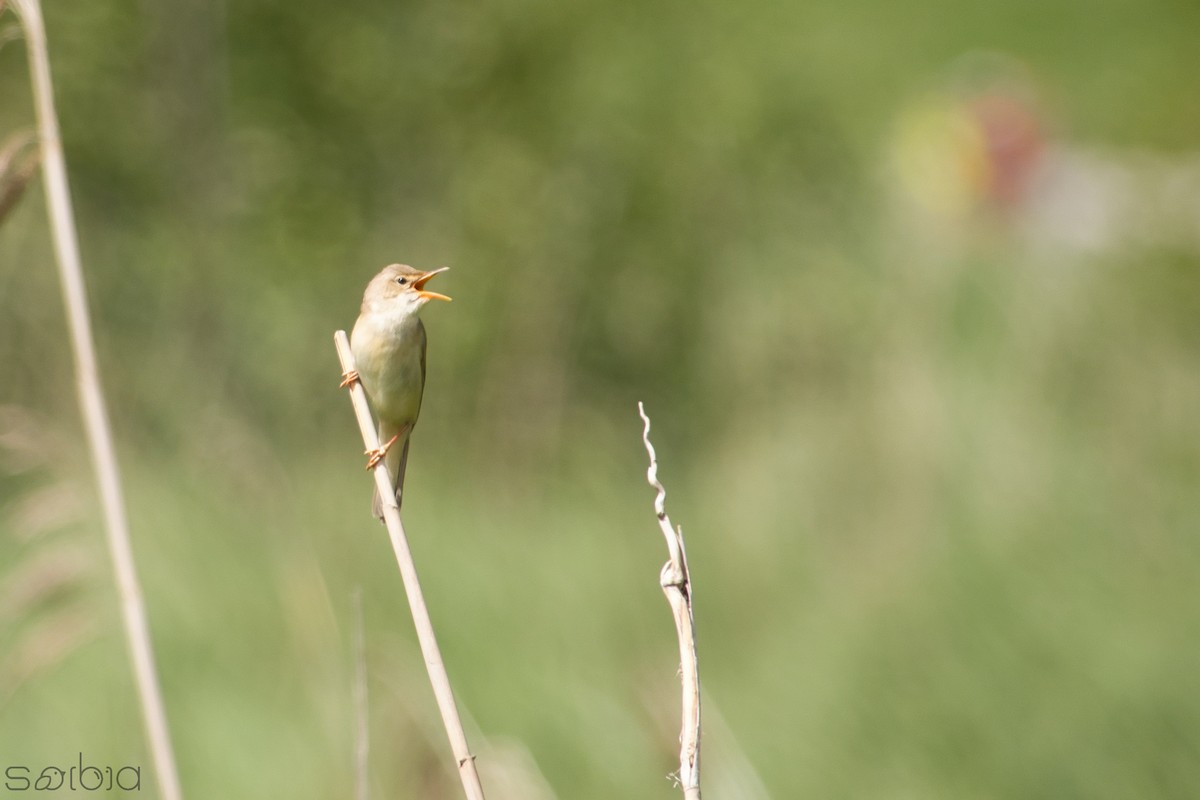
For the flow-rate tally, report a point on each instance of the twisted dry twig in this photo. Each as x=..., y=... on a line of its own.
x=677, y=586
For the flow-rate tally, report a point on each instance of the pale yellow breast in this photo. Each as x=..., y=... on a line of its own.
x=389, y=352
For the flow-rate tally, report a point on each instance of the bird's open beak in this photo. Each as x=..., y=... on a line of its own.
x=419, y=285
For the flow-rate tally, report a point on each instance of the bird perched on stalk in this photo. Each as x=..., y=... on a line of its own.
x=388, y=342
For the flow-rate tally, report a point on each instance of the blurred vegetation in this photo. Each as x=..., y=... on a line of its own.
x=938, y=467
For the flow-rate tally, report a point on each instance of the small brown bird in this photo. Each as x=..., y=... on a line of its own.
x=388, y=342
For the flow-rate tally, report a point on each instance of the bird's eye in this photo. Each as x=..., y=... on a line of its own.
x=402, y=281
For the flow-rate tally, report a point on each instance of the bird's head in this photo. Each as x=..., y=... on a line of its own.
x=400, y=288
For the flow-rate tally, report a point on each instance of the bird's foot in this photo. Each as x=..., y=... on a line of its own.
x=377, y=455
x=349, y=378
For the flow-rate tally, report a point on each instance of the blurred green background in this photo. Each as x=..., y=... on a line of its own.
x=911, y=291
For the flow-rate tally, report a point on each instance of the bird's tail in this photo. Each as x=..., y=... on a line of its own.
x=397, y=461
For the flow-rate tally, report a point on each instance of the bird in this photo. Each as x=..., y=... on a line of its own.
x=388, y=343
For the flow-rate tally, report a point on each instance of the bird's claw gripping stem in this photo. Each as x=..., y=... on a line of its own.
x=349, y=378
x=377, y=455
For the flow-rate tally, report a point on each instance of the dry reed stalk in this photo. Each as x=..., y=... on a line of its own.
x=95, y=416
x=412, y=587
x=362, y=736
